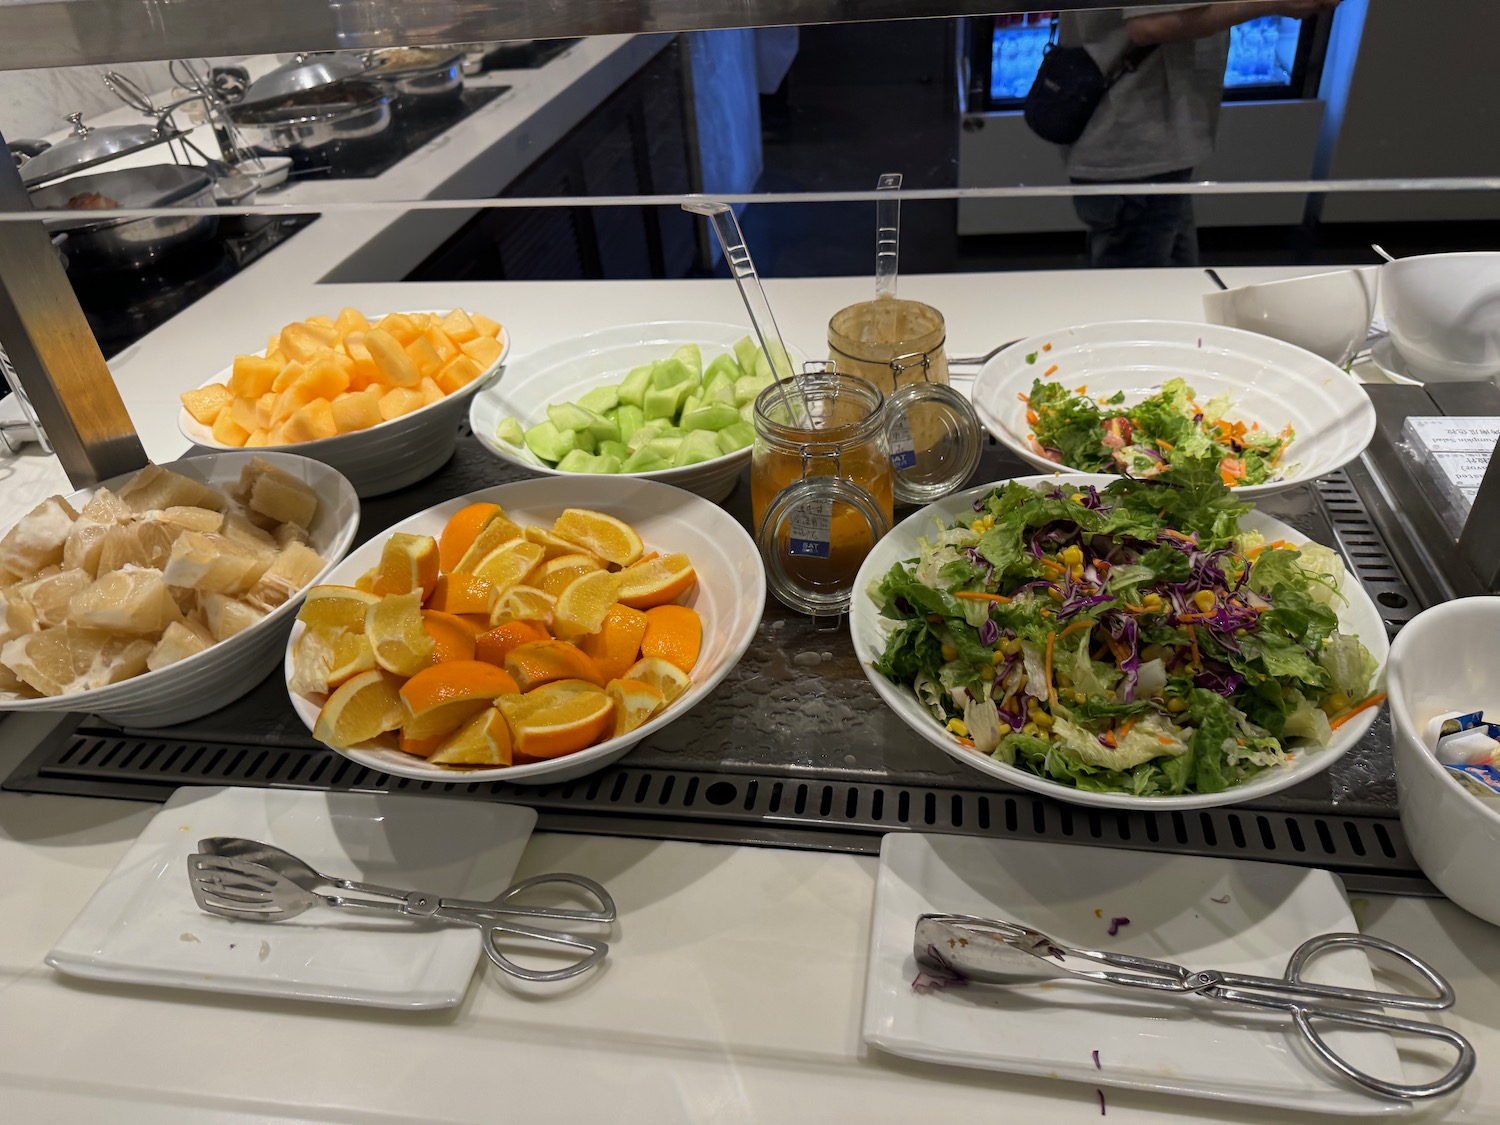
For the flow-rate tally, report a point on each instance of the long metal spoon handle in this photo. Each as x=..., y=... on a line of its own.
x=742, y=269
x=887, y=234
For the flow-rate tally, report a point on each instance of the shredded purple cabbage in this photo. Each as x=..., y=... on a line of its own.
x=989, y=633
x=1076, y=605
x=1014, y=719
x=1125, y=631
x=1224, y=683
x=1116, y=923
x=904, y=606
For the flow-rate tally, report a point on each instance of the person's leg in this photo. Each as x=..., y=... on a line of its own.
x=1185, y=241
x=1101, y=214
x=1136, y=231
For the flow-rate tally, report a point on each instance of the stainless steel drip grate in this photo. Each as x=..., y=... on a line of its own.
x=765, y=809
x=1362, y=546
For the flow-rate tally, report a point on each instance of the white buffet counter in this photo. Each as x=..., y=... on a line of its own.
x=734, y=989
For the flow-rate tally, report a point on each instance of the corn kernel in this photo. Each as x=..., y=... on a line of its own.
x=949, y=652
x=958, y=727
x=1078, y=498
x=1055, y=594
x=1204, y=600
x=1071, y=556
x=1176, y=704
x=1010, y=646
x=1077, y=573
x=1041, y=719
x=998, y=658
x=1029, y=728
x=1336, y=702
x=1151, y=601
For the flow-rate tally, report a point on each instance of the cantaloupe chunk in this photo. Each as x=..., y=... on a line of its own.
x=226, y=432
x=324, y=379
x=458, y=327
x=302, y=340
x=288, y=375
x=243, y=414
x=389, y=354
x=425, y=357
x=484, y=325
x=264, y=411
x=312, y=422
x=291, y=400
x=321, y=321
x=431, y=392
x=258, y=439
x=458, y=374
x=357, y=411
x=399, y=327
x=483, y=350
x=442, y=344
x=398, y=401
x=205, y=403
x=252, y=376
x=350, y=320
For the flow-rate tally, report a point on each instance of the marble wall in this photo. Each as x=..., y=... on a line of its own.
x=33, y=103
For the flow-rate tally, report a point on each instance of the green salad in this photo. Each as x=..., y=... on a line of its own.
x=1126, y=640
x=1143, y=440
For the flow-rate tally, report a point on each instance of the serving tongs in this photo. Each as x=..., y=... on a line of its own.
x=960, y=947
x=253, y=881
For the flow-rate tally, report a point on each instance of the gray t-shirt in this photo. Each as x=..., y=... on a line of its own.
x=1159, y=118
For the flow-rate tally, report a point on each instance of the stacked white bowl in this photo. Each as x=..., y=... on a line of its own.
x=1444, y=314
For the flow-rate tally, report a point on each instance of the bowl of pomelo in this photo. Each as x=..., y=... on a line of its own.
x=378, y=398
x=531, y=632
x=164, y=594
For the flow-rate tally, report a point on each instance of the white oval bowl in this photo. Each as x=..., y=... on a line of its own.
x=561, y=372
x=1443, y=660
x=1444, y=313
x=729, y=596
x=386, y=457
x=1267, y=380
x=1327, y=314
x=220, y=674
x=1358, y=616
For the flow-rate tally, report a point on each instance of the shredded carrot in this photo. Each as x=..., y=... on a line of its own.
x=1171, y=533
x=1193, y=644
x=1083, y=390
x=1126, y=726
x=1165, y=741
x=978, y=596
x=1108, y=738
x=1195, y=617
x=935, y=618
x=1050, y=371
x=1024, y=397
x=1134, y=608
x=1032, y=418
x=1051, y=690
x=1073, y=628
x=1364, y=704
x=1054, y=564
x=966, y=742
x=1047, y=347
x=1254, y=552
x=1165, y=444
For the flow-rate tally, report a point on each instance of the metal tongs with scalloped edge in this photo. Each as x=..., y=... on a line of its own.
x=258, y=882
x=988, y=951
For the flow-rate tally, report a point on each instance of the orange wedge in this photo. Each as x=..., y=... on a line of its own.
x=394, y=626
x=661, y=674
x=491, y=647
x=361, y=709
x=352, y=655
x=540, y=662
x=516, y=707
x=421, y=747
x=482, y=741
x=524, y=603
x=611, y=539
x=509, y=563
x=312, y=656
x=564, y=728
x=552, y=576
x=658, y=582
x=675, y=633
x=554, y=546
x=462, y=529
x=332, y=609
x=617, y=644
x=461, y=593
x=635, y=702
x=497, y=529
x=452, y=637
x=408, y=562
x=440, y=699
x=582, y=606
x=649, y=556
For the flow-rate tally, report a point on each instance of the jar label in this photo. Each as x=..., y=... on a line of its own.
x=809, y=525
x=903, y=450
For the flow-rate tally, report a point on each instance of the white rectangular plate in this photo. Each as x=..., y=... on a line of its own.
x=1204, y=913
x=143, y=927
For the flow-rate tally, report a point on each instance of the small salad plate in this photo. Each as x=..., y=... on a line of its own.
x=1204, y=913
x=143, y=927
x=1268, y=382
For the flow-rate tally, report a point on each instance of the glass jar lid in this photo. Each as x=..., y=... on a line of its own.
x=813, y=539
x=935, y=440
x=89, y=145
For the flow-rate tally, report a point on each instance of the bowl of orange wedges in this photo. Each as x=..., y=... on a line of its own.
x=532, y=632
x=378, y=398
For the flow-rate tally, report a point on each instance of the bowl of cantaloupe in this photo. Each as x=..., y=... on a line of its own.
x=379, y=399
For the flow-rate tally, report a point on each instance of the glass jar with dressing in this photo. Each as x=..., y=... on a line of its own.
x=898, y=346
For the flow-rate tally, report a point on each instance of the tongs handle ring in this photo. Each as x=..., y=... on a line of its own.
x=492, y=929
x=1456, y=1076
x=501, y=904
